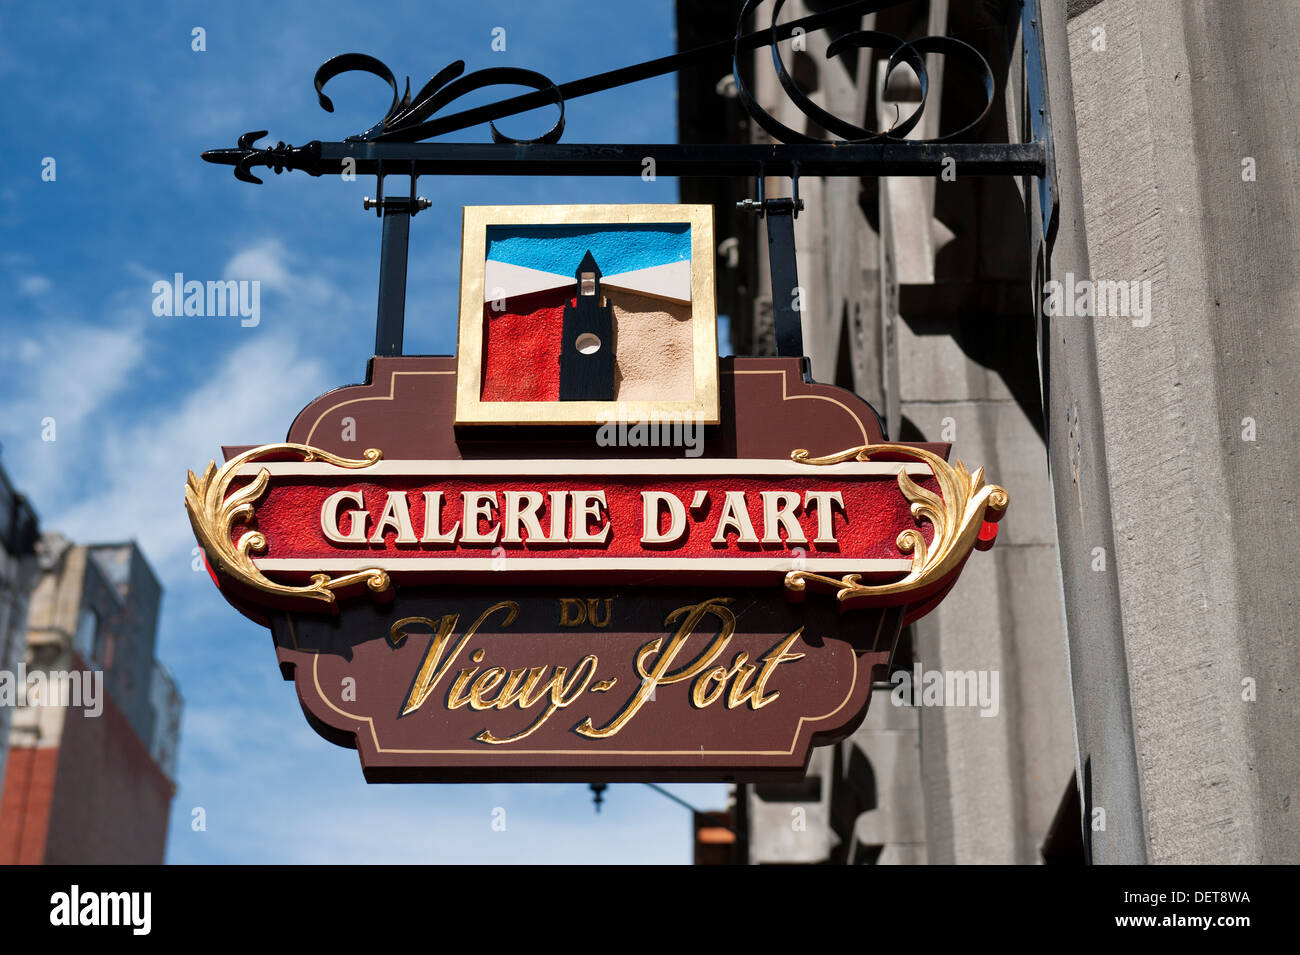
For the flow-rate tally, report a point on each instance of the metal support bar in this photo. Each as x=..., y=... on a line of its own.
x=667, y=795
x=1037, y=121
x=391, y=320
x=609, y=159
x=786, y=295
x=396, y=213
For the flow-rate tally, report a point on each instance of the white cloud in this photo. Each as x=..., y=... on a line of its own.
x=34, y=285
x=297, y=291
x=65, y=371
x=264, y=262
x=69, y=369
x=250, y=398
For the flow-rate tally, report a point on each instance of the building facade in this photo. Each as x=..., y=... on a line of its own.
x=1136, y=612
x=19, y=531
x=93, y=763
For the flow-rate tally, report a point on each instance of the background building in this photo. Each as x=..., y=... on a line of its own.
x=1138, y=607
x=83, y=788
x=18, y=534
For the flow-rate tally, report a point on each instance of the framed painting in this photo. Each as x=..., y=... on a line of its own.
x=587, y=315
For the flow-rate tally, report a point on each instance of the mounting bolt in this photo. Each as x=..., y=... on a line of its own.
x=420, y=203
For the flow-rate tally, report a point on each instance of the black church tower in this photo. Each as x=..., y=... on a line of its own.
x=587, y=349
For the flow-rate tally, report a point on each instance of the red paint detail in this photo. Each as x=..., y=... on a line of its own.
x=988, y=534
x=521, y=347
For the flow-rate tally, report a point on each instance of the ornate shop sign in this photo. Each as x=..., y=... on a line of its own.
x=586, y=547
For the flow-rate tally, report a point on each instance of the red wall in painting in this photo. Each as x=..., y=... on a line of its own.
x=521, y=347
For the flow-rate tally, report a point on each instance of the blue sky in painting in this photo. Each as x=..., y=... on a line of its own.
x=616, y=248
x=117, y=97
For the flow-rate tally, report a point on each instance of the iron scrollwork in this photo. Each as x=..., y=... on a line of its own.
x=402, y=121
x=912, y=53
x=409, y=118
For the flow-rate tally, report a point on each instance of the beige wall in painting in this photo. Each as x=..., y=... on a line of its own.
x=654, y=348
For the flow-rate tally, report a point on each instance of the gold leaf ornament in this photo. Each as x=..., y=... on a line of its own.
x=957, y=517
x=214, y=513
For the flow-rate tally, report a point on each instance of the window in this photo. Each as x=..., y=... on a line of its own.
x=86, y=641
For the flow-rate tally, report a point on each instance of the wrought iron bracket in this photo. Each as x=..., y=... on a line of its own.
x=409, y=204
x=398, y=139
x=787, y=296
x=1037, y=122
x=395, y=212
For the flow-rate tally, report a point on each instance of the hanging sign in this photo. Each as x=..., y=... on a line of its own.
x=523, y=564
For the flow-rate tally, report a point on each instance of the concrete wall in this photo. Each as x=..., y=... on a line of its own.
x=965, y=354
x=1167, y=108
x=918, y=296
x=1163, y=519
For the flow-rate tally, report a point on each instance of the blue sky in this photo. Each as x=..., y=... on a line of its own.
x=117, y=97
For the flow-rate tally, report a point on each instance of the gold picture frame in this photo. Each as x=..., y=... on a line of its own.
x=471, y=409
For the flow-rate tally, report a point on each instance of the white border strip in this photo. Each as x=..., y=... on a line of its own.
x=521, y=562
x=593, y=469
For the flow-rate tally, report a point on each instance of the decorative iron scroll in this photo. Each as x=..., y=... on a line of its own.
x=411, y=119
x=402, y=122
x=900, y=51
x=214, y=514
x=398, y=124
x=957, y=514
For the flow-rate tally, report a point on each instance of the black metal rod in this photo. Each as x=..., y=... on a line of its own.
x=391, y=321
x=690, y=160
x=786, y=294
x=667, y=795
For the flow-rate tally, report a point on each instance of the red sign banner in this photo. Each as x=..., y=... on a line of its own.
x=461, y=518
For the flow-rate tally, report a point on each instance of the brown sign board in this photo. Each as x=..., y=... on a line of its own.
x=521, y=684
x=586, y=547
x=459, y=635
